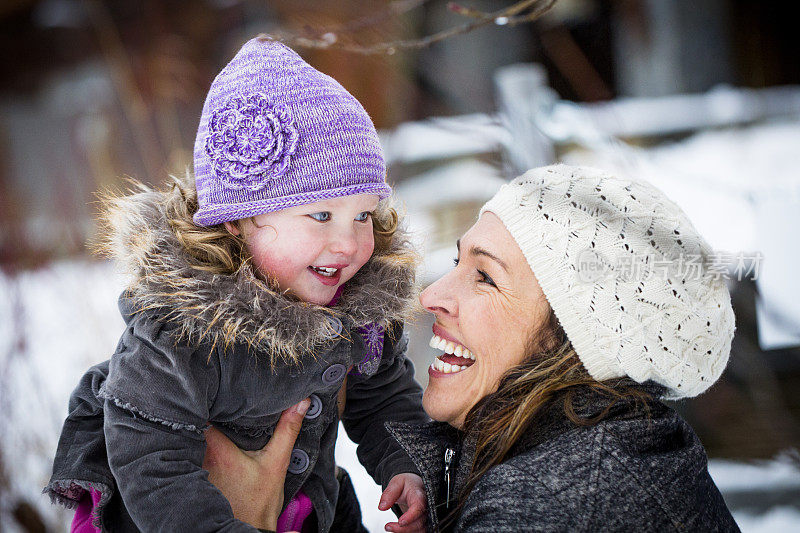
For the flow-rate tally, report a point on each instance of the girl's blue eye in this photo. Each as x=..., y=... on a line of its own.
x=322, y=216
x=363, y=217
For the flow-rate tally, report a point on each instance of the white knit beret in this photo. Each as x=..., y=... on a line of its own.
x=628, y=276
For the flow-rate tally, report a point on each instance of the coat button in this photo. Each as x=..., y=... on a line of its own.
x=334, y=374
x=315, y=408
x=298, y=462
x=335, y=326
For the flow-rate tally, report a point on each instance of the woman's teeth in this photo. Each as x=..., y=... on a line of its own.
x=447, y=368
x=450, y=347
x=325, y=271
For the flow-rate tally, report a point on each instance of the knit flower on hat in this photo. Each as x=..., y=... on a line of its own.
x=250, y=142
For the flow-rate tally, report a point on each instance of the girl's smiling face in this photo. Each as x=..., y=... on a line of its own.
x=487, y=310
x=311, y=250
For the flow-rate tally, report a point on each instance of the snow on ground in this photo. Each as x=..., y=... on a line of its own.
x=56, y=322
x=462, y=181
x=443, y=137
x=68, y=320
x=748, y=486
x=781, y=473
x=783, y=519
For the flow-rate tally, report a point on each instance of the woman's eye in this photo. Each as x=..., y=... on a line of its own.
x=484, y=278
x=363, y=217
x=322, y=216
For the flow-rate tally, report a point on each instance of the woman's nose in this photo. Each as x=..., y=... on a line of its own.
x=438, y=298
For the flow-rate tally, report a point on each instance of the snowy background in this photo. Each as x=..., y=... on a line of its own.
x=701, y=98
x=739, y=185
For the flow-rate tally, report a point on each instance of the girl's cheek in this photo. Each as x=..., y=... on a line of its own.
x=266, y=236
x=273, y=261
x=366, y=249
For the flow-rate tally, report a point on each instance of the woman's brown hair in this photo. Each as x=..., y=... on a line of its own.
x=553, y=373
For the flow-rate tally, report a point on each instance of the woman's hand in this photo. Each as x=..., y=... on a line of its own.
x=253, y=481
x=408, y=491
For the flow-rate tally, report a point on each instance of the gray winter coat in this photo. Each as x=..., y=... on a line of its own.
x=630, y=472
x=202, y=349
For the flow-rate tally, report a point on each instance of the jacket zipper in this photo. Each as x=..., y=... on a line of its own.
x=448, y=459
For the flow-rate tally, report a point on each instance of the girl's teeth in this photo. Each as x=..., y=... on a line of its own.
x=325, y=271
x=457, y=352
x=449, y=347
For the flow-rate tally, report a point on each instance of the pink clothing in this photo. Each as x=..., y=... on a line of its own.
x=296, y=512
x=291, y=519
x=336, y=297
x=84, y=514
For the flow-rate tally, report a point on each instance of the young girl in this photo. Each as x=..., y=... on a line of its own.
x=278, y=275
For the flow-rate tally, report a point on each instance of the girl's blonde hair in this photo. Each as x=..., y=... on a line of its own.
x=214, y=249
x=552, y=374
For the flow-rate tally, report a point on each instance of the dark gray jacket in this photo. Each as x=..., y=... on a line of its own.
x=203, y=349
x=629, y=472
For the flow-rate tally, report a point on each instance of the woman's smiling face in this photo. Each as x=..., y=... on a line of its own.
x=487, y=310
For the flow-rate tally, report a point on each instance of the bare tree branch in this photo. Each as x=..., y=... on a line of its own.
x=524, y=11
x=396, y=8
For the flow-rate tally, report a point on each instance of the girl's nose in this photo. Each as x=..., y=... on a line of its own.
x=345, y=243
x=438, y=298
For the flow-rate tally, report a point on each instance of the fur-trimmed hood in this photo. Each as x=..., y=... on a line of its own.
x=241, y=308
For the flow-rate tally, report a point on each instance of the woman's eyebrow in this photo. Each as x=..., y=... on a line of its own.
x=477, y=250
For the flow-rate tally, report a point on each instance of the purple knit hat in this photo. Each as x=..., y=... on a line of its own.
x=276, y=133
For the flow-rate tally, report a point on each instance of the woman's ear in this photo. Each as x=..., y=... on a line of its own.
x=232, y=228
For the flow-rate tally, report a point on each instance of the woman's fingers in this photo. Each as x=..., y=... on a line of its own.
x=282, y=441
x=253, y=481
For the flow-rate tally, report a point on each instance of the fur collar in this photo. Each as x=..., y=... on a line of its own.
x=240, y=308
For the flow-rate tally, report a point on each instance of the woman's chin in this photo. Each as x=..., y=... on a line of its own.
x=440, y=408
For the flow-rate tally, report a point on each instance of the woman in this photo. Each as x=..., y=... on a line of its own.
x=578, y=299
